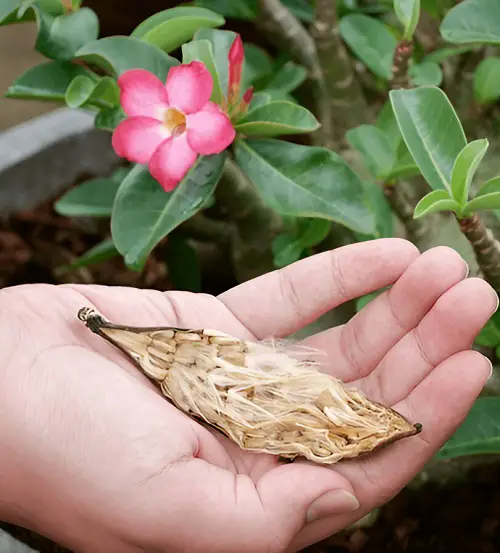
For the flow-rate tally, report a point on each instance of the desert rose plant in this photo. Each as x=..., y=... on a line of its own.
x=371, y=119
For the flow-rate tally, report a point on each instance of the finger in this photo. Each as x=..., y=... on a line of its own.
x=283, y=301
x=360, y=345
x=136, y=307
x=450, y=326
x=440, y=403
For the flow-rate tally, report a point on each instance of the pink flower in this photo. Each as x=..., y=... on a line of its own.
x=236, y=58
x=169, y=124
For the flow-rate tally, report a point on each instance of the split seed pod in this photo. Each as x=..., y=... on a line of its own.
x=267, y=396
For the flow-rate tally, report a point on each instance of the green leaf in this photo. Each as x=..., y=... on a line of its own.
x=234, y=9
x=183, y=265
x=79, y=91
x=118, y=54
x=375, y=148
x=437, y=200
x=408, y=13
x=9, y=10
x=305, y=181
x=61, y=36
x=248, y=9
x=426, y=73
x=201, y=50
x=488, y=197
x=311, y=232
x=109, y=118
x=384, y=220
x=277, y=118
x=432, y=131
x=288, y=78
x=260, y=99
x=489, y=336
x=371, y=41
x=473, y=21
x=47, y=81
x=221, y=43
x=479, y=433
x=438, y=56
x=143, y=213
x=465, y=168
x=171, y=28
x=102, y=252
x=386, y=122
x=276, y=95
x=286, y=250
x=258, y=65
x=487, y=81
x=93, y=198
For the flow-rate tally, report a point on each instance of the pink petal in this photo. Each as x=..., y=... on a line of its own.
x=172, y=161
x=142, y=94
x=209, y=131
x=189, y=86
x=137, y=138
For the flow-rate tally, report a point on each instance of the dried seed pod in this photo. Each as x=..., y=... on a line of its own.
x=267, y=396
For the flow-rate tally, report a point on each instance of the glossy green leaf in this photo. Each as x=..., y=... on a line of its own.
x=382, y=212
x=311, y=232
x=101, y=252
x=286, y=249
x=479, y=433
x=184, y=269
x=260, y=99
x=473, y=21
x=490, y=334
x=221, y=43
x=408, y=13
x=277, y=118
x=47, y=81
x=171, y=28
x=11, y=11
x=437, y=200
x=432, y=131
x=93, y=198
x=117, y=54
x=258, y=65
x=375, y=147
x=289, y=77
x=248, y=9
x=79, y=91
x=405, y=168
x=371, y=41
x=465, y=168
x=438, y=56
x=276, y=95
x=487, y=197
x=59, y=37
x=487, y=81
x=426, y=73
x=387, y=123
x=306, y=181
x=201, y=50
x=109, y=118
x=143, y=213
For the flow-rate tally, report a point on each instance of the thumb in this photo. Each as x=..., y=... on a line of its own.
x=302, y=492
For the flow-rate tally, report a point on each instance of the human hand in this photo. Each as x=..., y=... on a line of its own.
x=95, y=458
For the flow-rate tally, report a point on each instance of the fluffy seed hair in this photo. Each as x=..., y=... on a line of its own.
x=267, y=396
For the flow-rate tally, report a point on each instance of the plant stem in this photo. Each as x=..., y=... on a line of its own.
x=255, y=223
x=346, y=103
x=202, y=228
x=486, y=249
x=401, y=64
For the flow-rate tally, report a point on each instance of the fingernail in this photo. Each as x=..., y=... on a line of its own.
x=491, y=367
x=332, y=503
x=467, y=269
x=498, y=302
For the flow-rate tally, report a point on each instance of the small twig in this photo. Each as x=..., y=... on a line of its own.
x=401, y=65
x=486, y=248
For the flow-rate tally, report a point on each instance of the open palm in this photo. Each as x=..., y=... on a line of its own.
x=115, y=467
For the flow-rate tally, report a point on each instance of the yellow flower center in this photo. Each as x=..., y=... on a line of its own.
x=175, y=121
